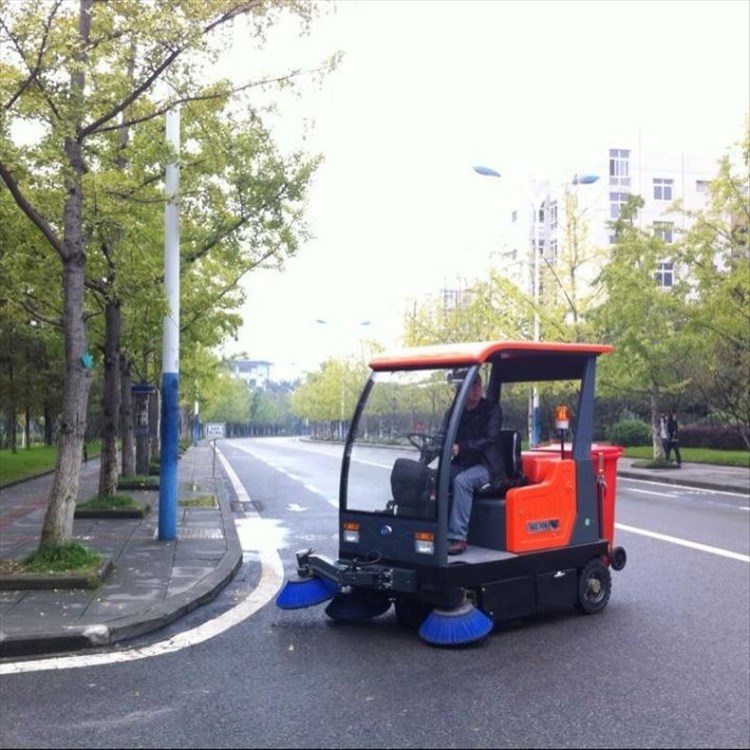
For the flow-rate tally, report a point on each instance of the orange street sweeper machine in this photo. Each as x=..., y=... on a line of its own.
x=540, y=539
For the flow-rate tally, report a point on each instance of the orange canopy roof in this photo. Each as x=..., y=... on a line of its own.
x=475, y=352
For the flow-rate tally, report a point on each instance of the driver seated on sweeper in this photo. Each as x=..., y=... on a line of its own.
x=477, y=460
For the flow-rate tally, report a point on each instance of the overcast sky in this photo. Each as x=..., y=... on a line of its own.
x=428, y=88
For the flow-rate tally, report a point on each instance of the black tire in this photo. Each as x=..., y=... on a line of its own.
x=617, y=558
x=594, y=587
x=411, y=613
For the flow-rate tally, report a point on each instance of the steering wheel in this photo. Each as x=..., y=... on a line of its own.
x=426, y=444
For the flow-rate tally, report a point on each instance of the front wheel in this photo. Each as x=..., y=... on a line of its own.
x=594, y=587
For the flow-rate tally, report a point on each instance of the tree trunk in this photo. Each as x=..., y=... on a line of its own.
x=126, y=419
x=58, y=520
x=655, y=425
x=110, y=400
x=12, y=413
x=48, y=424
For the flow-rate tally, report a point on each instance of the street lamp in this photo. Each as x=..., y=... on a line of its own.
x=534, y=425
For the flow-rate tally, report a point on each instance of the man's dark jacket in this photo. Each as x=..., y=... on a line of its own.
x=478, y=438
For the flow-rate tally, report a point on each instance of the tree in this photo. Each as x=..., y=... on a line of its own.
x=226, y=399
x=329, y=395
x=63, y=70
x=717, y=251
x=567, y=294
x=496, y=308
x=643, y=320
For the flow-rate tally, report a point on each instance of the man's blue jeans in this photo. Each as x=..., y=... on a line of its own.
x=464, y=483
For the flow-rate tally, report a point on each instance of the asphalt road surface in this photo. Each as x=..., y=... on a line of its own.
x=667, y=664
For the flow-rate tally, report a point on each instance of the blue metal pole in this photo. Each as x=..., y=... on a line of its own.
x=170, y=379
x=536, y=423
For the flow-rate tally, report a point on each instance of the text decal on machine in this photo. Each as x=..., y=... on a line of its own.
x=548, y=524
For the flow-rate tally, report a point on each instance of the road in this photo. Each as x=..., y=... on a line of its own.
x=667, y=664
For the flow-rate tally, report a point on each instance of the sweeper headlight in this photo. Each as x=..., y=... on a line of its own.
x=424, y=543
x=351, y=532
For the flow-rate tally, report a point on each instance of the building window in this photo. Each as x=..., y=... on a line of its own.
x=665, y=274
x=664, y=230
x=552, y=253
x=450, y=299
x=663, y=189
x=514, y=217
x=616, y=202
x=619, y=167
x=701, y=186
x=553, y=215
x=739, y=234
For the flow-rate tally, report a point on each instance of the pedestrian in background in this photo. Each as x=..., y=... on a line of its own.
x=664, y=435
x=673, y=435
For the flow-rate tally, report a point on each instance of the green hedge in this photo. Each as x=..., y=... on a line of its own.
x=717, y=436
x=630, y=432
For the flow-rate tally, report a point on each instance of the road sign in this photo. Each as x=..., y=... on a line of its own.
x=215, y=430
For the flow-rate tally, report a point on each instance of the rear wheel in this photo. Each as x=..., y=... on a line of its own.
x=594, y=587
x=411, y=613
x=618, y=558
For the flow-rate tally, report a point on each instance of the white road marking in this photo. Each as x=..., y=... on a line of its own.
x=256, y=534
x=683, y=488
x=684, y=543
x=691, y=491
x=296, y=507
x=648, y=492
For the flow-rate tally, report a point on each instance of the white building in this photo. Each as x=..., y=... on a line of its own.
x=546, y=220
x=255, y=372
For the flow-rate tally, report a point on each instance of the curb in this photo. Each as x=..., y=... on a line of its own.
x=39, y=581
x=682, y=482
x=113, y=513
x=86, y=637
x=83, y=637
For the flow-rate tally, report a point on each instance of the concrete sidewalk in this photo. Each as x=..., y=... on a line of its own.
x=704, y=476
x=154, y=583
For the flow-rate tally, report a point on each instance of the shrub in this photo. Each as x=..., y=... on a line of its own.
x=720, y=437
x=630, y=432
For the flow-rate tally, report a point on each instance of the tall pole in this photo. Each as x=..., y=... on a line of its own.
x=534, y=415
x=534, y=437
x=341, y=421
x=170, y=377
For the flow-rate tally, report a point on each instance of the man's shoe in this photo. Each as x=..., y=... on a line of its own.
x=456, y=547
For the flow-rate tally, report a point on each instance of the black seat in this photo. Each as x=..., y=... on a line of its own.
x=510, y=450
x=487, y=522
x=510, y=447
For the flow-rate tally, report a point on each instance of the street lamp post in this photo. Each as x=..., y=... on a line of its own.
x=539, y=204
